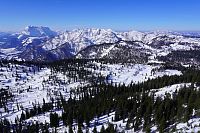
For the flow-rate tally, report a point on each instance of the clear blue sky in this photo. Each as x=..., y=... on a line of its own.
x=114, y=14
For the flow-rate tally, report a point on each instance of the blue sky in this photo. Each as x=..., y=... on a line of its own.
x=115, y=14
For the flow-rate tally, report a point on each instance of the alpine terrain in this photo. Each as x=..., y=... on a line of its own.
x=99, y=81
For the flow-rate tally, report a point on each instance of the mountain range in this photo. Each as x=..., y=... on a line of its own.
x=43, y=44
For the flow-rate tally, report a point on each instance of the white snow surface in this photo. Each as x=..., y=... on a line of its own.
x=192, y=126
x=132, y=73
x=169, y=89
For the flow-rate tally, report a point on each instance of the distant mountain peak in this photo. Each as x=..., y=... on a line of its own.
x=38, y=31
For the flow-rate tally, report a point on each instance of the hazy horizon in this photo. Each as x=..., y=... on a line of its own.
x=70, y=29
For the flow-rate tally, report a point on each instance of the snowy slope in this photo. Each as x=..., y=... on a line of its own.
x=169, y=89
x=132, y=73
x=30, y=86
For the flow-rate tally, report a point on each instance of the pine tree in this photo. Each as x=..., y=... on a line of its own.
x=79, y=129
x=70, y=129
x=148, y=129
x=110, y=128
x=54, y=120
x=23, y=116
x=162, y=125
x=102, y=129
x=95, y=129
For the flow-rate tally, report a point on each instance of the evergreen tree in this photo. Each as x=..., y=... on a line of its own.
x=95, y=129
x=102, y=129
x=70, y=129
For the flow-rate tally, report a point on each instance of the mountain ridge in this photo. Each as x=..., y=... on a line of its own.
x=44, y=41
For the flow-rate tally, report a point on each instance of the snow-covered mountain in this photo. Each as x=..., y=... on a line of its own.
x=8, y=40
x=81, y=38
x=30, y=33
x=13, y=44
x=41, y=43
x=34, y=31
